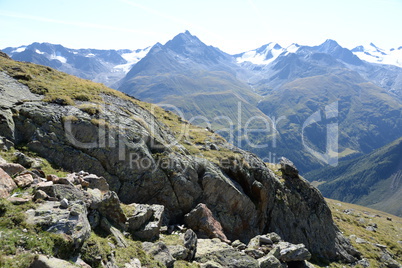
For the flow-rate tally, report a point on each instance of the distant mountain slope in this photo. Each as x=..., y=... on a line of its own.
x=104, y=66
x=373, y=180
x=367, y=116
x=195, y=78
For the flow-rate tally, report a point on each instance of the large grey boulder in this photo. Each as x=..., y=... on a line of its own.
x=72, y=222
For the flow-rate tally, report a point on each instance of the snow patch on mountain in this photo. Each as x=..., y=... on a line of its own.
x=292, y=48
x=59, y=58
x=374, y=54
x=19, y=49
x=132, y=58
x=265, y=54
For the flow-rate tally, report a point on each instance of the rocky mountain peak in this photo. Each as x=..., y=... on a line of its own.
x=185, y=42
x=332, y=48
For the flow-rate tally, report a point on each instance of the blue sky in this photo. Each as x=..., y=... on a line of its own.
x=232, y=25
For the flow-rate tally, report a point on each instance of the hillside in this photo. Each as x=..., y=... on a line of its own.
x=147, y=155
x=372, y=180
x=375, y=243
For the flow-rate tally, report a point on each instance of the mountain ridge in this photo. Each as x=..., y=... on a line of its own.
x=373, y=180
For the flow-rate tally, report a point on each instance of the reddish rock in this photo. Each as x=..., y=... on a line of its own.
x=51, y=177
x=18, y=200
x=6, y=184
x=24, y=180
x=44, y=184
x=12, y=169
x=202, y=221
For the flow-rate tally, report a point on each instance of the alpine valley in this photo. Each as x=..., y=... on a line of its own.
x=182, y=141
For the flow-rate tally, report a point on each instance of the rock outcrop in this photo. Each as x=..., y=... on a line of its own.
x=139, y=158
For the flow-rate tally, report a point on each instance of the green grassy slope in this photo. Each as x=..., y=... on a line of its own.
x=353, y=225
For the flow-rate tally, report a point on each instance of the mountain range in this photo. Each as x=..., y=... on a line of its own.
x=103, y=66
x=375, y=64
x=274, y=101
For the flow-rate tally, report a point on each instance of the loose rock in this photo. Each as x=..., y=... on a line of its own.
x=218, y=252
x=269, y=261
x=6, y=184
x=62, y=221
x=24, y=180
x=160, y=252
x=12, y=169
x=201, y=220
x=190, y=243
x=64, y=203
x=44, y=262
x=290, y=252
x=111, y=209
x=39, y=194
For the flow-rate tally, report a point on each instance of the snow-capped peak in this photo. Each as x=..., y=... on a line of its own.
x=292, y=48
x=265, y=54
x=374, y=54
